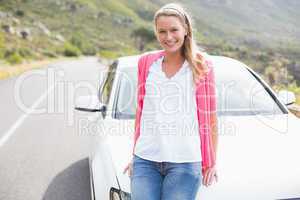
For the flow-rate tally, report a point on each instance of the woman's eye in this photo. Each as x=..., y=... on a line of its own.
x=173, y=30
x=162, y=31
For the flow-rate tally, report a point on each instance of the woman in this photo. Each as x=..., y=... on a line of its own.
x=175, y=129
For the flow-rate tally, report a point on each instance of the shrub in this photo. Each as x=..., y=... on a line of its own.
x=108, y=54
x=83, y=44
x=71, y=50
x=144, y=32
x=77, y=40
x=49, y=54
x=1, y=53
x=1, y=45
x=89, y=50
x=25, y=52
x=13, y=58
x=20, y=13
x=1, y=40
x=142, y=36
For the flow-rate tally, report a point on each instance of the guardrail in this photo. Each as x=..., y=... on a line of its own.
x=295, y=109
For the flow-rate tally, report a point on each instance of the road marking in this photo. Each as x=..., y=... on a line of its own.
x=21, y=119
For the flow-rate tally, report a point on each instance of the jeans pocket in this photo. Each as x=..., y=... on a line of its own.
x=137, y=162
x=136, y=159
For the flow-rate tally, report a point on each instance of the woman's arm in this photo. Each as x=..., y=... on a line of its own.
x=210, y=174
x=214, y=129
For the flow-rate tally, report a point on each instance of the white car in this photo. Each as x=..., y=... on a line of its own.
x=259, y=139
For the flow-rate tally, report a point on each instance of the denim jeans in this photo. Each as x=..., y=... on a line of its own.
x=152, y=180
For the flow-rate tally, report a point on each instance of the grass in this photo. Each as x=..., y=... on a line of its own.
x=8, y=71
x=120, y=8
x=92, y=5
x=108, y=54
x=4, y=74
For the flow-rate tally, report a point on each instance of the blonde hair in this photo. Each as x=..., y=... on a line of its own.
x=190, y=50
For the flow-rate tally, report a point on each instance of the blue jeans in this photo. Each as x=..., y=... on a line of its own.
x=152, y=180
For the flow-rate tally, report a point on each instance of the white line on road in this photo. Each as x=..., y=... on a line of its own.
x=21, y=119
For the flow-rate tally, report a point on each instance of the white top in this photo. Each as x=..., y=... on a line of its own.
x=169, y=124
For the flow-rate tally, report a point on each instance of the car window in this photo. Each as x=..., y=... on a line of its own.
x=105, y=90
x=127, y=94
x=238, y=93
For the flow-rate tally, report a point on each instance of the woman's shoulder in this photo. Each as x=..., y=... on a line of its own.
x=207, y=60
x=150, y=57
x=152, y=54
x=203, y=55
x=208, y=65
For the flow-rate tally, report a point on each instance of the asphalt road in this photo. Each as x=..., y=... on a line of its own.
x=42, y=154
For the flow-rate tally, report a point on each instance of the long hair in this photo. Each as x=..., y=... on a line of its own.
x=189, y=49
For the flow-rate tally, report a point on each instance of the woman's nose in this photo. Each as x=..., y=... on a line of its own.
x=169, y=36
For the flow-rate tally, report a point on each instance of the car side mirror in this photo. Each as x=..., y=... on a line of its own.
x=89, y=104
x=286, y=97
x=117, y=194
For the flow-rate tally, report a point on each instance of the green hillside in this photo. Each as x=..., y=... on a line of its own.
x=264, y=34
x=100, y=25
x=255, y=23
x=56, y=25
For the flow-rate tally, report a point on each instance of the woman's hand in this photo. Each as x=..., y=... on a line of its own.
x=128, y=168
x=209, y=176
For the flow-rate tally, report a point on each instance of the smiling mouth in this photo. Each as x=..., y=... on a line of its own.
x=170, y=44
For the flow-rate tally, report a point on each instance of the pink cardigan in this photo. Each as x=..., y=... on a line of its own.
x=205, y=100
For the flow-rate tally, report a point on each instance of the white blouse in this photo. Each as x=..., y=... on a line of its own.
x=169, y=126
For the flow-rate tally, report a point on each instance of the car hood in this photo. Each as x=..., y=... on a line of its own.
x=258, y=156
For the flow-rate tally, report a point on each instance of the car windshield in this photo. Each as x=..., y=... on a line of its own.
x=238, y=93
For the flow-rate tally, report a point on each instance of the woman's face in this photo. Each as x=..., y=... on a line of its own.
x=170, y=33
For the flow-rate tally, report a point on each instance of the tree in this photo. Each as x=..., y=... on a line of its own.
x=277, y=73
x=142, y=36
